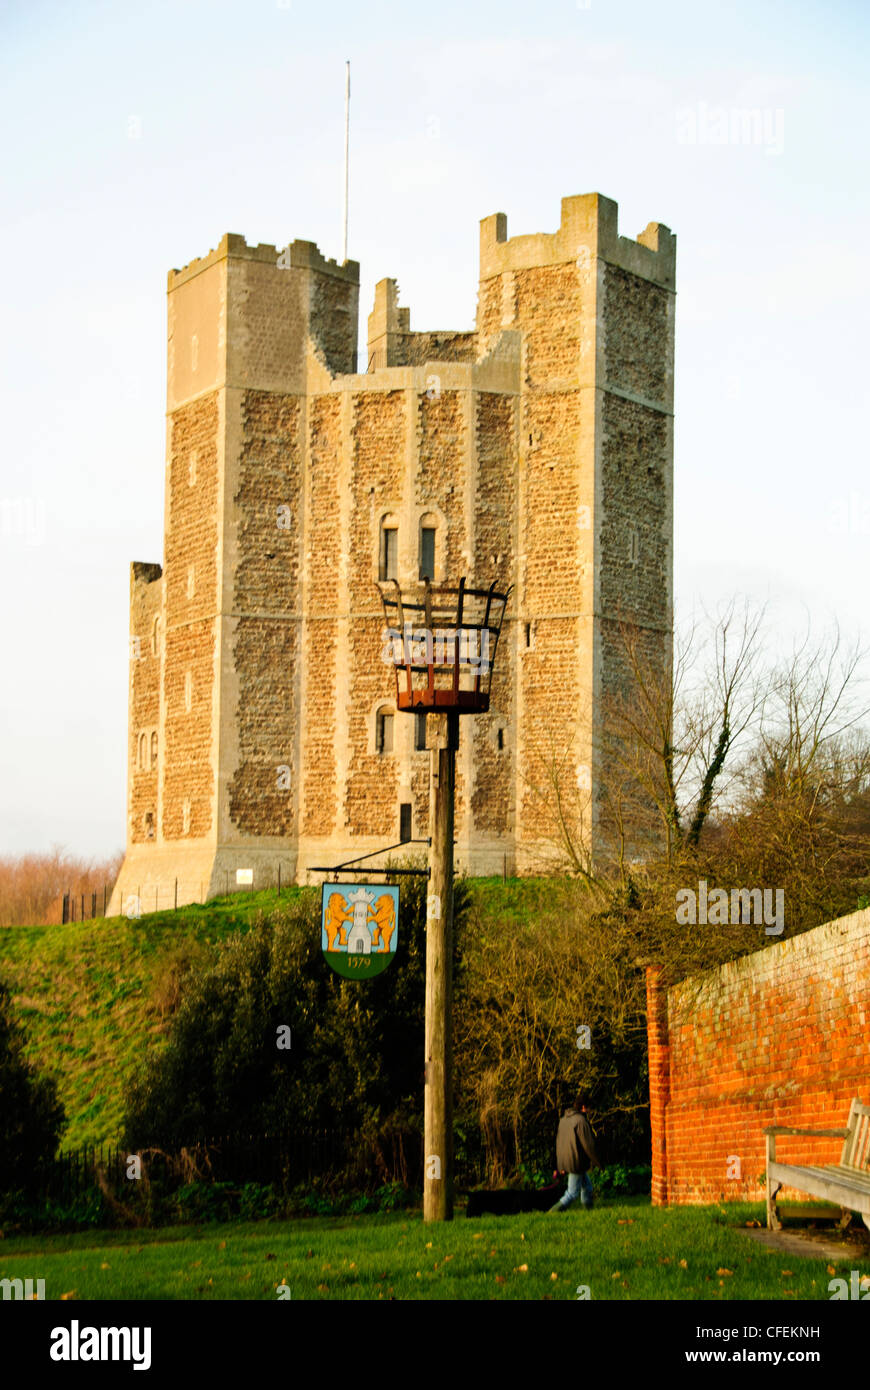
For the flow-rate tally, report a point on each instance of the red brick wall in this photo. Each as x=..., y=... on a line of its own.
x=779, y=1037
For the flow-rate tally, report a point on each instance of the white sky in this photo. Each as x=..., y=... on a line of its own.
x=135, y=135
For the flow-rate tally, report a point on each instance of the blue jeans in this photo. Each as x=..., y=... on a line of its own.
x=579, y=1185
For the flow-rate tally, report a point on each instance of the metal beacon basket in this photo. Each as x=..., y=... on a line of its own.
x=442, y=643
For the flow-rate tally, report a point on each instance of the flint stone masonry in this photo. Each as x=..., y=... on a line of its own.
x=537, y=445
x=779, y=1037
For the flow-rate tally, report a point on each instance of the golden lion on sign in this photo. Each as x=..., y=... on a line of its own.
x=337, y=914
x=384, y=917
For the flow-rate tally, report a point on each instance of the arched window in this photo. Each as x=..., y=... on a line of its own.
x=384, y=731
x=153, y=748
x=142, y=756
x=155, y=637
x=388, y=564
x=427, y=552
x=149, y=825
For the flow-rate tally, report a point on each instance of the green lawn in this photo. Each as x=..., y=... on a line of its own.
x=624, y=1250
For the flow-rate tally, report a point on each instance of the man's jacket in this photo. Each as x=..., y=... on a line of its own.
x=575, y=1143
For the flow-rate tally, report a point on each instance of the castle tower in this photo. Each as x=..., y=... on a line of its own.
x=536, y=450
x=594, y=484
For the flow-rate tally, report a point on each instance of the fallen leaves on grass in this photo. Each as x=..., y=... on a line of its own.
x=521, y=1269
x=554, y=1275
x=628, y=1221
x=65, y=1296
x=830, y=1269
x=787, y=1273
x=725, y=1271
x=752, y=1223
x=684, y=1264
x=500, y=1279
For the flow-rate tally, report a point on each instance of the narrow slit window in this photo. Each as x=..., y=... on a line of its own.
x=389, y=567
x=419, y=733
x=384, y=732
x=427, y=552
x=405, y=821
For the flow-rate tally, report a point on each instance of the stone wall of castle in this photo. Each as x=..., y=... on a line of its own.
x=538, y=446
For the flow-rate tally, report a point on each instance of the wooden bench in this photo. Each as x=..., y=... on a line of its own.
x=846, y=1184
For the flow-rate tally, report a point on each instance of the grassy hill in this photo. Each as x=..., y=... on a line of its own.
x=90, y=992
x=89, y=995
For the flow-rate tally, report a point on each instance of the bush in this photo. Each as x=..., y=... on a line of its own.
x=355, y=1064
x=31, y=1116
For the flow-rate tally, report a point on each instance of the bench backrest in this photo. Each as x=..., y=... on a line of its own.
x=856, y=1149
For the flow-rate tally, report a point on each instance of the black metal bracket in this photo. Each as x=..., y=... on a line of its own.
x=349, y=864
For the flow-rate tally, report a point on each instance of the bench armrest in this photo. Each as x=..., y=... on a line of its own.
x=816, y=1133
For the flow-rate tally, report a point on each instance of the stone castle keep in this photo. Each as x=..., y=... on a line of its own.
x=535, y=450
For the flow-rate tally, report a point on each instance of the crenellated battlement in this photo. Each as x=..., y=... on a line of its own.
x=588, y=224
x=303, y=255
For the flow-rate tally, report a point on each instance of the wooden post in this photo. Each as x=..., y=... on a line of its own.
x=770, y=1187
x=438, y=1098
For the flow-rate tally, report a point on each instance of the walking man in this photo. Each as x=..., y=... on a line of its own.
x=575, y=1153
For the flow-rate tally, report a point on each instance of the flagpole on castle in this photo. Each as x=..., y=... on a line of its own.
x=346, y=154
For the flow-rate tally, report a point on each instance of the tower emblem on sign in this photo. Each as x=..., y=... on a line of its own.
x=359, y=927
